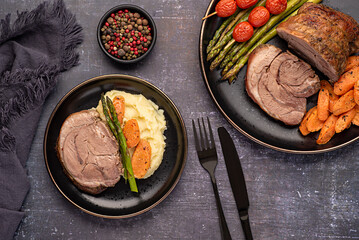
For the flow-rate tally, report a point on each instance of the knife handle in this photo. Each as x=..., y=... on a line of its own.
x=224, y=228
x=246, y=227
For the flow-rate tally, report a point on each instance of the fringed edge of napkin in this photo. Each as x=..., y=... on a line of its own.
x=43, y=79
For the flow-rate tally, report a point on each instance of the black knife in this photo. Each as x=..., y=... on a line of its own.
x=236, y=179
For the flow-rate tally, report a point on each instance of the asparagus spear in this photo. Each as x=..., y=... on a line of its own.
x=268, y=36
x=115, y=126
x=228, y=36
x=231, y=54
x=219, y=31
x=292, y=6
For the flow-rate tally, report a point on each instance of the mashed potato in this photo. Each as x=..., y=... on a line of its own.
x=151, y=121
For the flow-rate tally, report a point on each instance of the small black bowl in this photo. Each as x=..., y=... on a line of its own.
x=132, y=8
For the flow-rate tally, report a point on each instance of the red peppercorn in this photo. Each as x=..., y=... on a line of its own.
x=149, y=29
x=116, y=52
x=136, y=53
x=127, y=16
x=132, y=34
x=107, y=24
x=139, y=34
x=112, y=52
x=123, y=38
x=112, y=15
x=120, y=12
x=131, y=49
x=111, y=47
x=134, y=38
x=145, y=39
x=141, y=38
x=130, y=44
x=127, y=31
x=126, y=11
x=117, y=39
x=109, y=50
x=138, y=42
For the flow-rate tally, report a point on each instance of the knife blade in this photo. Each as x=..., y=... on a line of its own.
x=236, y=179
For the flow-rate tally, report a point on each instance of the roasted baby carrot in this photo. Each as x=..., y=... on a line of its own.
x=356, y=119
x=344, y=103
x=303, y=125
x=356, y=92
x=141, y=159
x=328, y=130
x=323, y=104
x=332, y=96
x=352, y=62
x=313, y=123
x=346, y=81
x=119, y=103
x=344, y=121
x=131, y=130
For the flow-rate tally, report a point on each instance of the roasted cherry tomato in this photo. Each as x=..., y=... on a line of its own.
x=276, y=6
x=258, y=16
x=226, y=8
x=244, y=4
x=243, y=32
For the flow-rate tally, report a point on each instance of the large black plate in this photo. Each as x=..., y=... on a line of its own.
x=119, y=201
x=240, y=111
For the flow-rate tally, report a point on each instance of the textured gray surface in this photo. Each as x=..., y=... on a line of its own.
x=291, y=196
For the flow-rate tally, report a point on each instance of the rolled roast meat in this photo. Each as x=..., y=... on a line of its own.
x=88, y=152
x=279, y=83
x=323, y=37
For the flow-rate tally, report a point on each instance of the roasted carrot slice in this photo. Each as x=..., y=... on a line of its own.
x=332, y=96
x=323, y=104
x=141, y=159
x=303, y=125
x=344, y=103
x=345, y=120
x=346, y=81
x=119, y=103
x=131, y=130
x=356, y=92
x=313, y=123
x=352, y=62
x=328, y=130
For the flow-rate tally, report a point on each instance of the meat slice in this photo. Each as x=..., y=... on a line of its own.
x=279, y=83
x=322, y=36
x=89, y=152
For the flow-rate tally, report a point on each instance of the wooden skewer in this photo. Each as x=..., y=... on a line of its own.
x=210, y=15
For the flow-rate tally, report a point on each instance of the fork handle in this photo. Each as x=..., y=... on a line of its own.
x=223, y=224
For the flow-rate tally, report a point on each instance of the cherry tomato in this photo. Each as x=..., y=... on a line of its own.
x=258, y=16
x=276, y=6
x=226, y=8
x=244, y=4
x=243, y=32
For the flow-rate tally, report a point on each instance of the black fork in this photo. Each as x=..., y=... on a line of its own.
x=207, y=156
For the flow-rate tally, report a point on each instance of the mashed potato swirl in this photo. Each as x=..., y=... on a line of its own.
x=151, y=121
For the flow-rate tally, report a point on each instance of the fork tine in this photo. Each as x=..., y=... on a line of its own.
x=210, y=133
x=195, y=136
x=200, y=134
x=205, y=135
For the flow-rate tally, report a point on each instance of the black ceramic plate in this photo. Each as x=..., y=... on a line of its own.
x=234, y=103
x=119, y=201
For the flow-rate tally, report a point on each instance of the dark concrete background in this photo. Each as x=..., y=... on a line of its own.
x=291, y=196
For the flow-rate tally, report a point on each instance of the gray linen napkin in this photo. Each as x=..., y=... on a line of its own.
x=33, y=51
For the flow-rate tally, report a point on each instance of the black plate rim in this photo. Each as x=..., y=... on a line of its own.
x=205, y=79
x=182, y=127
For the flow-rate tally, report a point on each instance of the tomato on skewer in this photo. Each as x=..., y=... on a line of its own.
x=276, y=6
x=244, y=4
x=259, y=16
x=224, y=8
x=243, y=32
